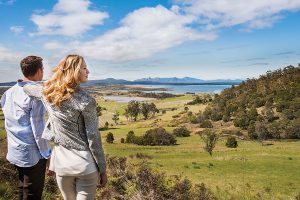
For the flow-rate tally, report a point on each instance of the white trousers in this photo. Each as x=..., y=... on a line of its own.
x=78, y=187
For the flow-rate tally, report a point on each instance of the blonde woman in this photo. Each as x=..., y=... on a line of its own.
x=77, y=158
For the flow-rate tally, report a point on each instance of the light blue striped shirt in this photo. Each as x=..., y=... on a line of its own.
x=24, y=124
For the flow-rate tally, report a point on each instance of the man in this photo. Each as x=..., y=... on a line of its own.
x=24, y=124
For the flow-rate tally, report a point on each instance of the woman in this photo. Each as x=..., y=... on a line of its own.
x=77, y=158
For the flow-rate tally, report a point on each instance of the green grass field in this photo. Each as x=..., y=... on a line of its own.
x=244, y=172
x=252, y=167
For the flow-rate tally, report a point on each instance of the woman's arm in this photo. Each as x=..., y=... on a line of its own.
x=93, y=136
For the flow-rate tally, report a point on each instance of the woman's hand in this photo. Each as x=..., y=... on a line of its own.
x=49, y=172
x=102, y=179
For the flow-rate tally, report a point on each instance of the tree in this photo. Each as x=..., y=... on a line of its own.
x=153, y=109
x=106, y=125
x=210, y=139
x=133, y=109
x=110, y=138
x=145, y=110
x=115, y=117
x=99, y=109
x=186, y=108
x=252, y=114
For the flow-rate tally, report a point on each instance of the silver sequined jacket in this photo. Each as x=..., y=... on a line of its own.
x=74, y=124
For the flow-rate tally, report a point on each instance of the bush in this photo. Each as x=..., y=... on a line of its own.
x=110, y=138
x=241, y=120
x=262, y=131
x=226, y=118
x=130, y=137
x=251, y=131
x=216, y=116
x=293, y=130
x=231, y=142
x=157, y=136
x=122, y=140
x=206, y=124
x=181, y=132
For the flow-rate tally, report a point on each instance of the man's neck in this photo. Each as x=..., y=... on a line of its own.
x=29, y=79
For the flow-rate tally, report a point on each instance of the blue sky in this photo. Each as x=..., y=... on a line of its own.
x=131, y=39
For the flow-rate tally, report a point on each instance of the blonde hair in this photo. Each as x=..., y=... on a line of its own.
x=64, y=81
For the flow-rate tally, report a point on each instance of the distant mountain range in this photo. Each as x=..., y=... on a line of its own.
x=175, y=80
x=165, y=81
x=156, y=81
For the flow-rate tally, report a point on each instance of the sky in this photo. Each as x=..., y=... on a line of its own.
x=132, y=39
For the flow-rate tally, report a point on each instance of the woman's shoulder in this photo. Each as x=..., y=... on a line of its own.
x=84, y=98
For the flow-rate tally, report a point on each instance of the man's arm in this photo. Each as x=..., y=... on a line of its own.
x=37, y=120
x=3, y=99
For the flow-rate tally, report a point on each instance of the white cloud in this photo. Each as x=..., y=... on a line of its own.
x=9, y=56
x=69, y=19
x=142, y=33
x=53, y=45
x=214, y=14
x=16, y=29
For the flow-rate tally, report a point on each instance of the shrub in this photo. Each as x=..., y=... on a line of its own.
x=226, y=118
x=181, y=132
x=251, y=131
x=241, y=120
x=110, y=138
x=157, y=136
x=259, y=102
x=130, y=137
x=293, y=130
x=262, y=131
x=231, y=142
x=216, y=116
x=122, y=140
x=206, y=124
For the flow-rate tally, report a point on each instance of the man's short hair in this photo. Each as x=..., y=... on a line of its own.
x=30, y=65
